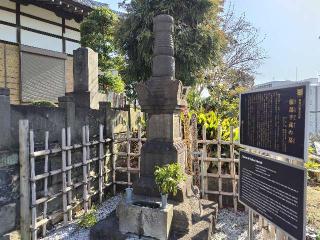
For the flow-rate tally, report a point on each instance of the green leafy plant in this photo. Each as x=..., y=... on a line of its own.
x=312, y=165
x=98, y=33
x=318, y=236
x=89, y=219
x=111, y=82
x=168, y=178
x=43, y=104
x=211, y=121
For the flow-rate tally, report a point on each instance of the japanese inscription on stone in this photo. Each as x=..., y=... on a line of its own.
x=275, y=120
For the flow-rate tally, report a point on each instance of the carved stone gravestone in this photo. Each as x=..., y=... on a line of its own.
x=162, y=97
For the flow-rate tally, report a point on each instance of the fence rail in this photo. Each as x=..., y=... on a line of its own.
x=68, y=184
x=122, y=152
x=219, y=160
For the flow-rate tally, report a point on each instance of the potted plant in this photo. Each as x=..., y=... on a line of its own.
x=167, y=179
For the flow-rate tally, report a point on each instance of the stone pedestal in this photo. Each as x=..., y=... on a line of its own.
x=145, y=221
x=189, y=222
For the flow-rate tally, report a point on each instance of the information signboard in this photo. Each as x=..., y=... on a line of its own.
x=276, y=120
x=274, y=190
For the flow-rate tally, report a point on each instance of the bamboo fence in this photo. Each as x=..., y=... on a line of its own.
x=96, y=155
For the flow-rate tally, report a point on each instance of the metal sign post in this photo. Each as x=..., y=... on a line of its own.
x=250, y=230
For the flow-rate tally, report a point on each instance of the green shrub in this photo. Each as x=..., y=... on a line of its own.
x=318, y=236
x=89, y=219
x=211, y=121
x=312, y=165
x=43, y=104
x=168, y=178
x=111, y=82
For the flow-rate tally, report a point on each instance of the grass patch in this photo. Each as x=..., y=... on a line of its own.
x=88, y=219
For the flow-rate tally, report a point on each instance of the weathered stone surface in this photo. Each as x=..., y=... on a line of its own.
x=162, y=98
x=162, y=93
x=8, y=218
x=8, y=158
x=145, y=221
x=85, y=67
x=191, y=223
x=86, y=84
x=107, y=229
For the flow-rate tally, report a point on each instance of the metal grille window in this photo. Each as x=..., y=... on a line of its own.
x=42, y=77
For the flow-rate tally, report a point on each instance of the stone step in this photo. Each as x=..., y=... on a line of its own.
x=189, y=222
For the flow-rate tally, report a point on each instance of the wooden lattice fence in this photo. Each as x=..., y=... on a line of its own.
x=73, y=190
x=130, y=153
x=225, y=176
x=86, y=170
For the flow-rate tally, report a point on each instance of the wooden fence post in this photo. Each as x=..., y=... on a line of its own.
x=45, y=187
x=101, y=163
x=24, y=179
x=33, y=188
x=139, y=146
x=195, y=148
x=233, y=172
x=88, y=165
x=128, y=156
x=64, y=177
x=114, y=158
x=219, y=166
x=84, y=170
x=69, y=164
x=204, y=178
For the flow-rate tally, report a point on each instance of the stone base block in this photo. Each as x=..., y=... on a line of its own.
x=145, y=221
x=8, y=218
x=194, y=219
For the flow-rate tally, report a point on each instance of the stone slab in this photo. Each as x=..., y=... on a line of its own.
x=107, y=229
x=191, y=223
x=145, y=221
x=8, y=218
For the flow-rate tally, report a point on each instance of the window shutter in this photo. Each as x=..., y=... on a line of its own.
x=42, y=77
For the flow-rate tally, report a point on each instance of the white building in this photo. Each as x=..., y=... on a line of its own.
x=37, y=39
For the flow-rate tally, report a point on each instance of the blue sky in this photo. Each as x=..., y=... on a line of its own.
x=291, y=29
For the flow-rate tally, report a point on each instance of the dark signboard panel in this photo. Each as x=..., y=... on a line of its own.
x=275, y=120
x=274, y=190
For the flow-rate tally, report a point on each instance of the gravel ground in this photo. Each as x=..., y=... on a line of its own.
x=230, y=225
x=233, y=226
x=74, y=232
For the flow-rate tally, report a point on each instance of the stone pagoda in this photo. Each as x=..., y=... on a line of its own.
x=162, y=97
